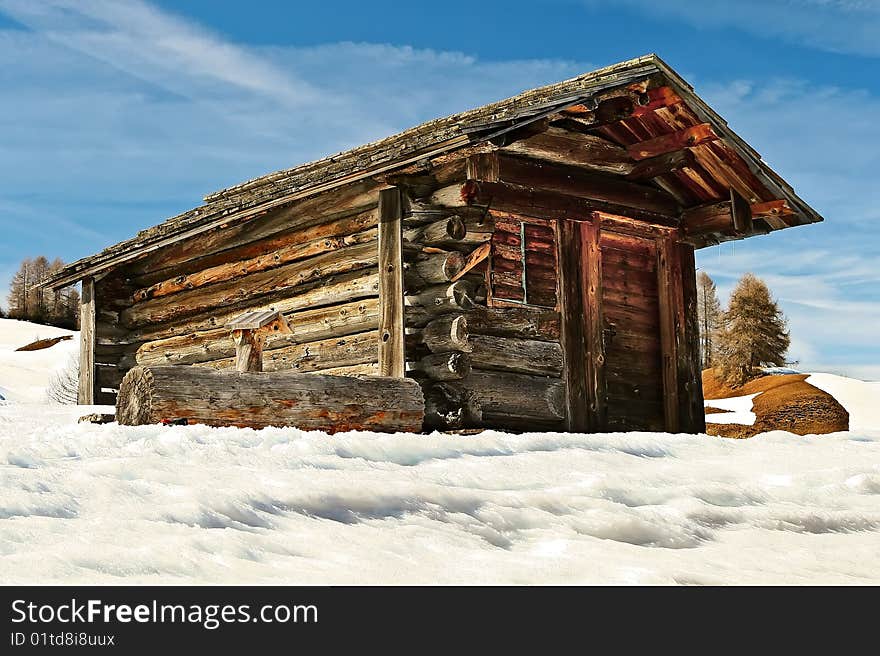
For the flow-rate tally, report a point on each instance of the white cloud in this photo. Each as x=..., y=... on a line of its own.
x=158, y=47
x=843, y=26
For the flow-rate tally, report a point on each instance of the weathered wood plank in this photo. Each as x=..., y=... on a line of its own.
x=86, y=393
x=283, y=254
x=510, y=395
x=523, y=356
x=565, y=147
x=392, y=361
x=251, y=287
x=669, y=287
x=574, y=181
x=691, y=412
x=667, y=143
x=551, y=205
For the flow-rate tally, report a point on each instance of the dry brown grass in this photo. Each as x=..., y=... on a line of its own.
x=786, y=402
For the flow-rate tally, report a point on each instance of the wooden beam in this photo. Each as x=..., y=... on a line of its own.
x=729, y=217
x=521, y=200
x=662, y=164
x=565, y=147
x=392, y=361
x=580, y=266
x=656, y=98
x=86, y=394
x=668, y=143
x=671, y=298
x=575, y=181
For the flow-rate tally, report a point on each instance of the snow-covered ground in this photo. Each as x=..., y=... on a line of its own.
x=83, y=503
x=859, y=398
x=739, y=410
x=25, y=375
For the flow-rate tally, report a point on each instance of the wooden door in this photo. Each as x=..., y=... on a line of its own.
x=631, y=333
x=611, y=332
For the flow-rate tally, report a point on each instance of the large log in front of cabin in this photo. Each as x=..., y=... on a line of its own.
x=529, y=263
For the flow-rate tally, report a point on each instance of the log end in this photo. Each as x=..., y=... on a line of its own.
x=134, y=404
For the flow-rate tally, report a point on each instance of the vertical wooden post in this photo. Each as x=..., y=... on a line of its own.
x=391, y=322
x=248, y=350
x=580, y=272
x=86, y=395
x=690, y=380
x=671, y=298
x=591, y=272
x=571, y=310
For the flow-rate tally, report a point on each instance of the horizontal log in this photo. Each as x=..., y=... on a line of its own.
x=249, y=288
x=360, y=348
x=551, y=205
x=424, y=306
x=332, y=290
x=432, y=269
x=524, y=323
x=662, y=165
x=447, y=334
x=449, y=408
x=195, y=395
x=733, y=216
x=515, y=395
x=442, y=366
x=574, y=181
x=517, y=355
x=446, y=230
x=336, y=228
x=279, y=256
x=306, y=326
x=686, y=138
x=321, y=209
x=564, y=147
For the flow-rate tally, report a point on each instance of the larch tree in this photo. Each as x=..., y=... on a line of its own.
x=709, y=314
x=29, y=302
x=753, y=333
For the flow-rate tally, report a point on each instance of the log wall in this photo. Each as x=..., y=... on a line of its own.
x=485, y=354
x=315, y=262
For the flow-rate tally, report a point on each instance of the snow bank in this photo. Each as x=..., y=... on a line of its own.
x=739, y=410
x=190, y=504
x=82, y=503
x=25, y=375
x=860, y=399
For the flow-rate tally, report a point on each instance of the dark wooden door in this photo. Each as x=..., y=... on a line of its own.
x=610, y=329
x=631, y=336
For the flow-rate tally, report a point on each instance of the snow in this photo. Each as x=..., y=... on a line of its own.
x=859, y=398
x=779, y=371
x=81, y=503
x=24, y=375
x=739, y=410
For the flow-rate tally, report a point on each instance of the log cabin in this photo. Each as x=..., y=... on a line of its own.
x=529, y=263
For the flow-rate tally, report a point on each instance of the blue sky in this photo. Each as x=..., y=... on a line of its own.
x=116, y=114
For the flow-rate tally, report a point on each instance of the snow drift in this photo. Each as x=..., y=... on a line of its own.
x=186, y=504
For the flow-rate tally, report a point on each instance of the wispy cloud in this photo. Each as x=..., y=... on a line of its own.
x=843, y=26
x=159, y=48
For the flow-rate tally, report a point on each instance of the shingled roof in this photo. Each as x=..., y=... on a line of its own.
x=424, y=141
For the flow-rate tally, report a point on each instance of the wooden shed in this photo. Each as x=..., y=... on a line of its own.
x=530, y=263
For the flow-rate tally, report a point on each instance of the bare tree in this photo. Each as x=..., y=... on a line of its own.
x=709, y=313
x=754, y=332
x=64, y=383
